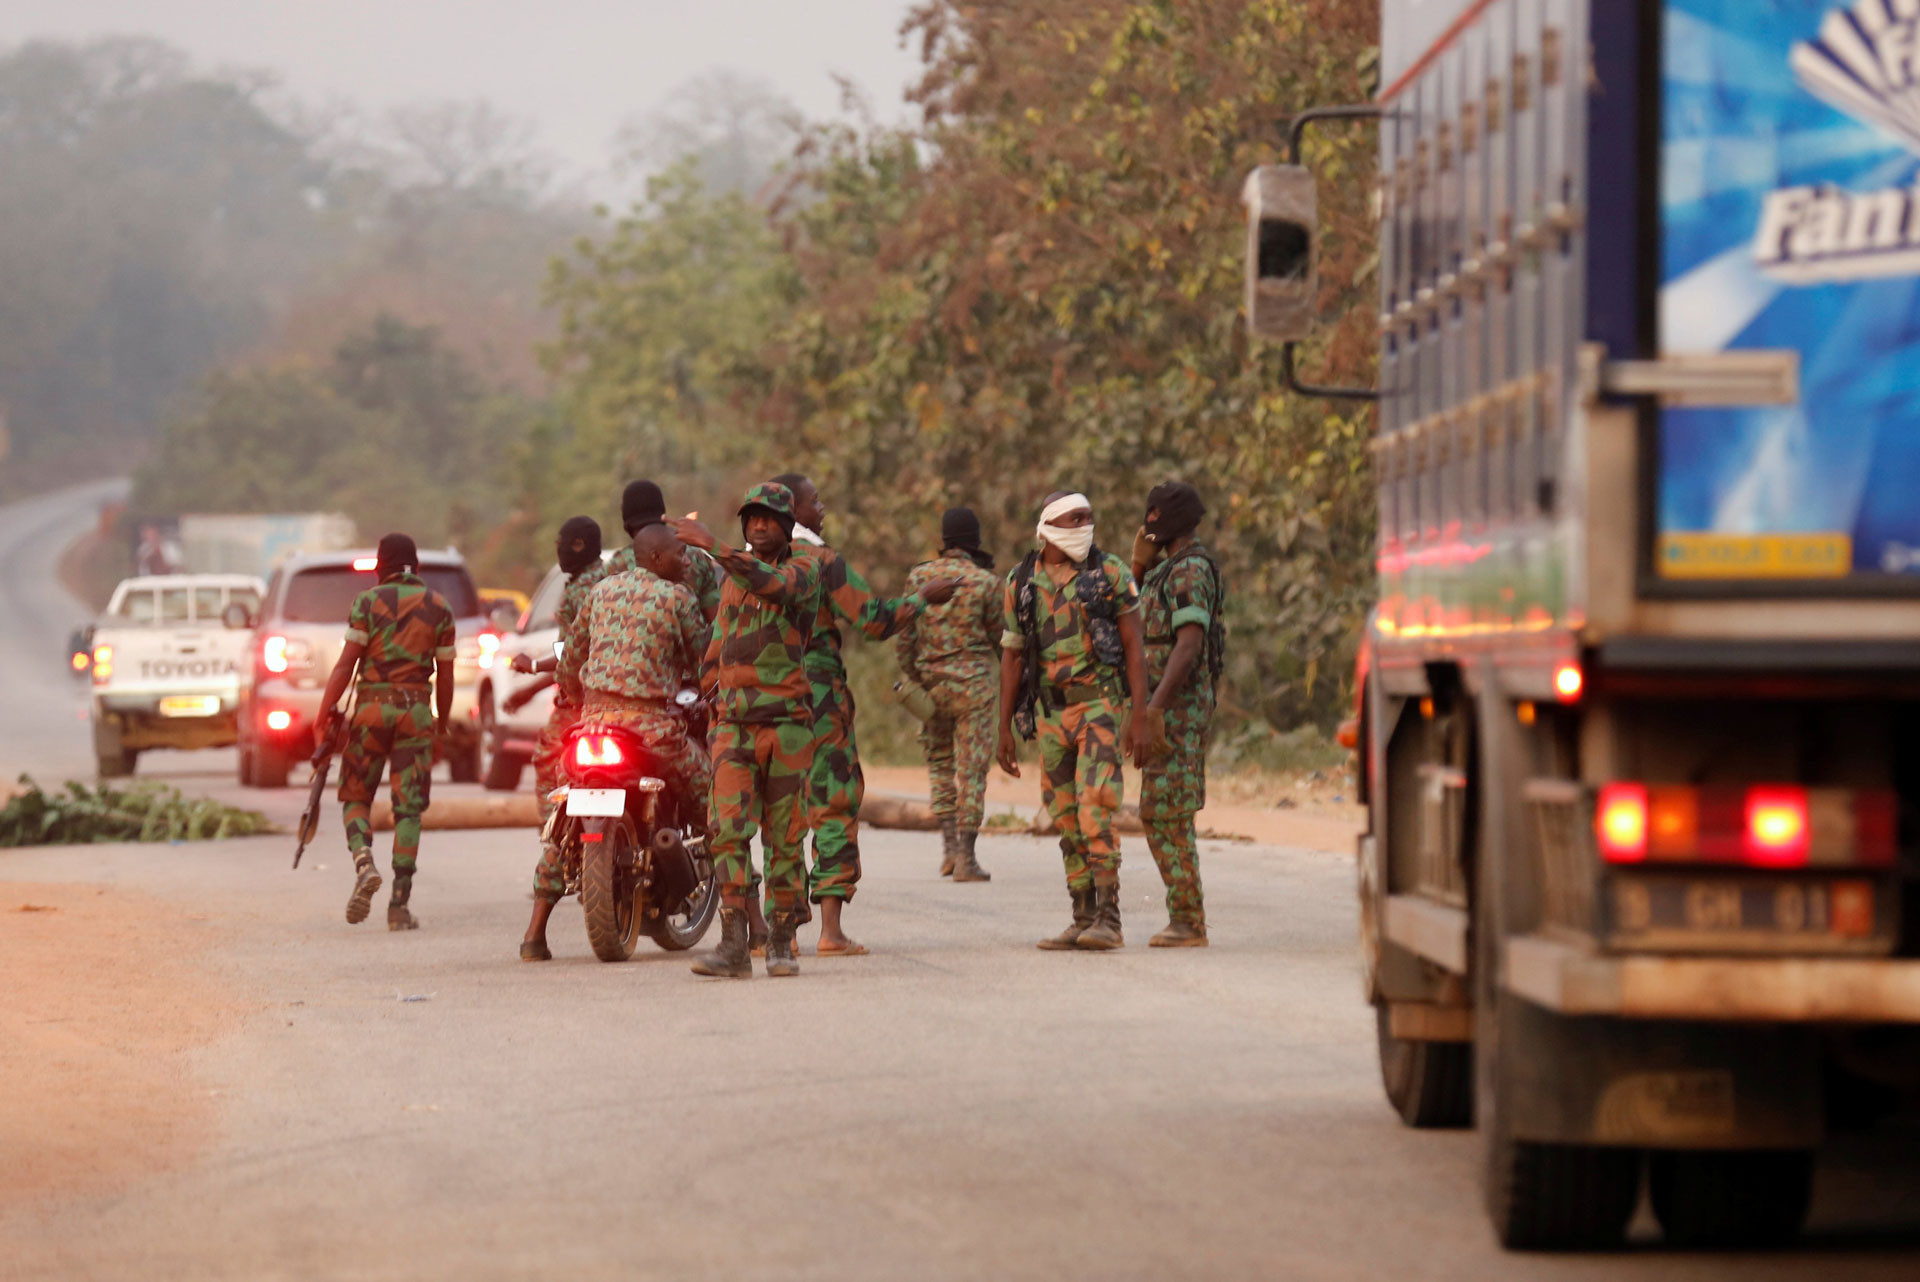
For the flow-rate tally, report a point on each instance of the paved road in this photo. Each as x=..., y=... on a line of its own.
x=958, y=1105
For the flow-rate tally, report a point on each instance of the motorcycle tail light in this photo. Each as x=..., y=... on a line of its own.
x=597, y=750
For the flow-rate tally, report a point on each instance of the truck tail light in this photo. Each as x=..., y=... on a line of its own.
x=273, y=654
x=1568, y=682
x=597, y=750
x=1777, y=829
x=486, y=646
x=279, y=719
x=102, y=664
x=365, y=564
x=1620, y=823
x=1759, y=826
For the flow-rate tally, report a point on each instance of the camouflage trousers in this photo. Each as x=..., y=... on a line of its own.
x=959, y=741
x=1081, y=787
x=835, y=789
x=681, y=762
x=760, y=783
x=1171, y=793
x=391, y=732
x=549, y=765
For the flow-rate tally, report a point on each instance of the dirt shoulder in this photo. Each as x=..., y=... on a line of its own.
x=1322, y=826
x=107, y=994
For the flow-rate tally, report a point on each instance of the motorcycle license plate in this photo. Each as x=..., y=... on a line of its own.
x=597, y=803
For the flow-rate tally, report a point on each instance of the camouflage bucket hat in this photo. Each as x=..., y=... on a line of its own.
x=771, y=495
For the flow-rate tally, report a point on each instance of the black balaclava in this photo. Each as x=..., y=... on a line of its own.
x=641, y=505
x=1180, y=511
x=585, y=531
x=960, y=528
x=396, y=553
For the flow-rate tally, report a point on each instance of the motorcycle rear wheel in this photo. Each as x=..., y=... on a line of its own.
x=683, y=926
x=610, y=890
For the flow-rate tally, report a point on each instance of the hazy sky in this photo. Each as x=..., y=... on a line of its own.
x=576, y=67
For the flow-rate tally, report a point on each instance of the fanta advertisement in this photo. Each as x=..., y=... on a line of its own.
x=1790, y=201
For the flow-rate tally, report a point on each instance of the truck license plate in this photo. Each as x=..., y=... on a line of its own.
x=1736, y=908
x=190, y=705
x=597, y=803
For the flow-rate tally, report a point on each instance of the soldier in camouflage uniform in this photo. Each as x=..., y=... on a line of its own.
x=1070, y=658
x=835, y=784
x=400, y=634
x=951, y=651
x=642, y=505
x=1181, y=601
x=763, y=731
x=635, y=643
x=578, y=549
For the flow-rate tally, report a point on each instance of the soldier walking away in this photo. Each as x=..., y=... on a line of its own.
x=634, y=643
x=952, y=652
x=1181, y=607
x=835, y=784
x=641, y=505
x=400, y=634
x=1070, y=658
x=763, y=731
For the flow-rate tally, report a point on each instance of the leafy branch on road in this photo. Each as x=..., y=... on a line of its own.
x=78, y=815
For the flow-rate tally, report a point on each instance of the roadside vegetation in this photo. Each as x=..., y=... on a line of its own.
x=1034, y=284
x=77, y=814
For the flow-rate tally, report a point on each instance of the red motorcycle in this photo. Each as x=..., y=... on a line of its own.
x=635, y=853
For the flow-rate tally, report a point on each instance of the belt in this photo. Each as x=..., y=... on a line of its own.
x=401, y=694
x=1078, y=692
x=635, y=702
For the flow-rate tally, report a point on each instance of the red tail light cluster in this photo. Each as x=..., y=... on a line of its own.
x=597, y=750
x=1764, y=826
x=102, y=664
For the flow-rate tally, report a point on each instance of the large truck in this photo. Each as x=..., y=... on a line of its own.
x=1639, y=731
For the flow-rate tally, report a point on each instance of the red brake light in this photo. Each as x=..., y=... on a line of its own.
x=1777, y=830
x=489, y=646
x=1620, y=822
x=279, y=719
x=365, y=563
x=273, y=654
x=597, y=750
x=102, y=664
x=1568, y=681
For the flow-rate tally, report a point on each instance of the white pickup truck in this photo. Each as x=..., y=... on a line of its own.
x=166, y=665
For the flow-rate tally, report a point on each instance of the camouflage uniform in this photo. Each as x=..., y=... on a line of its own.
x=406, y=628
x=640, y=642
x=835, y=785
x=1077, y=723
x=763, y=732
x=548, y=770
x=1178, y=591
x=952, y=650
x=703, y=576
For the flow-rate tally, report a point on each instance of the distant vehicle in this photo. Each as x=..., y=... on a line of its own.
x=165, y=669
x=511, y=600
x=256, y=543
x=297, y=634
x=80, y=650
x=511, y=736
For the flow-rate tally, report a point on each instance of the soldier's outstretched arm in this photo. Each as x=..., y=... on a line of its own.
x=854, y=601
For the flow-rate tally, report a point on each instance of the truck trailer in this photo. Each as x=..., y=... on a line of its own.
x=1639, y=702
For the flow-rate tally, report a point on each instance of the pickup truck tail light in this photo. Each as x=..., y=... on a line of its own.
x=489, y=646
x=102, y=664
x=273, y=654
x=1761, y=826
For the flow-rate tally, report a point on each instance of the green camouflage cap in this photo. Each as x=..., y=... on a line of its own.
x=771, y=495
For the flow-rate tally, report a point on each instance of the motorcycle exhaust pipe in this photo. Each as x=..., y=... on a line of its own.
x=673, y=873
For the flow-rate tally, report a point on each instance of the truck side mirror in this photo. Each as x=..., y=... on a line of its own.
x=1283, y=225
x=236, y=615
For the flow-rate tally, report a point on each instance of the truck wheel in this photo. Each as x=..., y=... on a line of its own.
x=463, y=761
x=270, y=766
x=1731, y=1199
x=503, y=771
x=244, y=769
x=115, y=765
x=1430, y=1084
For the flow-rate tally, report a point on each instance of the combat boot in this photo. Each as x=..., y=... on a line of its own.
x=780, y=959
x=967, y=868
x=730, y=960
x=949, y=847
x=1104, y=933
x=1082, y=918
x=1181, y=933
x=365, y=886
x=398, y=918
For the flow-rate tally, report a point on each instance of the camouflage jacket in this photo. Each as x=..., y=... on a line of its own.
x=1177, y=591
x=760, y=638
x=644, y=639
x=406, y=628
x=956, y=644
x=1065, y=657
x=573, y=637
x=845, y=596
x=703, y=576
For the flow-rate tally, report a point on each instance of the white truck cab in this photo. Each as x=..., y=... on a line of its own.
x=166, y=667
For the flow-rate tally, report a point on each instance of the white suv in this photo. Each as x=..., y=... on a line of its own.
x=511, y=737
x=298, y=634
